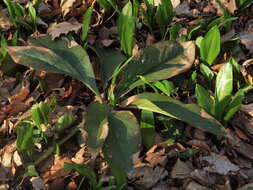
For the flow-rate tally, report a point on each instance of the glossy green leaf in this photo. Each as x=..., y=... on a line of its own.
x=159, y=61
x=164, y=15
x=210, y=45
x=97, y=124
x=203, y=98
x=147, y=128
x=86, y=24
x=224, y=82
x=40, y=113
x=234, y=105
x=189, y=113
x=24, y=130
x=82, y=170
x=124, y=139
x=58, y=56
x=126, y=28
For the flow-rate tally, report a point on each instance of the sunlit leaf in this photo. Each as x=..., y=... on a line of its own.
x=210, y=45
x=189, y=113
x=58, y=56
x=126, y=28
x=156, y=62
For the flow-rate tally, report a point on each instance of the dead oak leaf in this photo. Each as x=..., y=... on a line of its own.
x=56, y=30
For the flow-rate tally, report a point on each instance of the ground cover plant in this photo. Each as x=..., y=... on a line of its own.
x=126, y=95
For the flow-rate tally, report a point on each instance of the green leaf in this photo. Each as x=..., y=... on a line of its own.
x=164, y=15
x=30, y=171
x=189, y=113
x=198, y=41
x=210, y=45
x=105, y=4
x=82, y=170
x=174, y=31
x=24, y=130
x=147, y=128
x=64, y=122
x=110, y=59
x=126, y=28
x=40, y=113
x=32, y=13
x=156, y=62
x=207, y=72
x=11, y=11
x=18, y=9
x=97, y=124
x=86, y=24
x=234, y=105
x=117, y=172
x=224, y=82
x=124, y=139
x=203, y=98
x=167, y=87
x=58, y=57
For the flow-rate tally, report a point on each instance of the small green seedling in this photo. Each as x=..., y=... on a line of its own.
x=33, y=131
x=223, y=105
x=164, y=15
x=88, y=173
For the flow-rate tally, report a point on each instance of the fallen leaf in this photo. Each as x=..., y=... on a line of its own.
x=220, y=164
x=56, y=30
x=248, y=186
x=248, y=109
x=37, y=183
x=230, y=5
x=237, y=144
x=5, y=22
x=181, y=170
x=66, y=6
x=146, y=177
x=195, y=186
x=200, y=144
x=203, y=177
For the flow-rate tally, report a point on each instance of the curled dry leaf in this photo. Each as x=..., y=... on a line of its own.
x=56, y=30
x=66, y=6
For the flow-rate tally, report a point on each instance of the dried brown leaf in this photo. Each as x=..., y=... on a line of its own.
x=181, y=170
x=220, y=164
x=56, y=30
